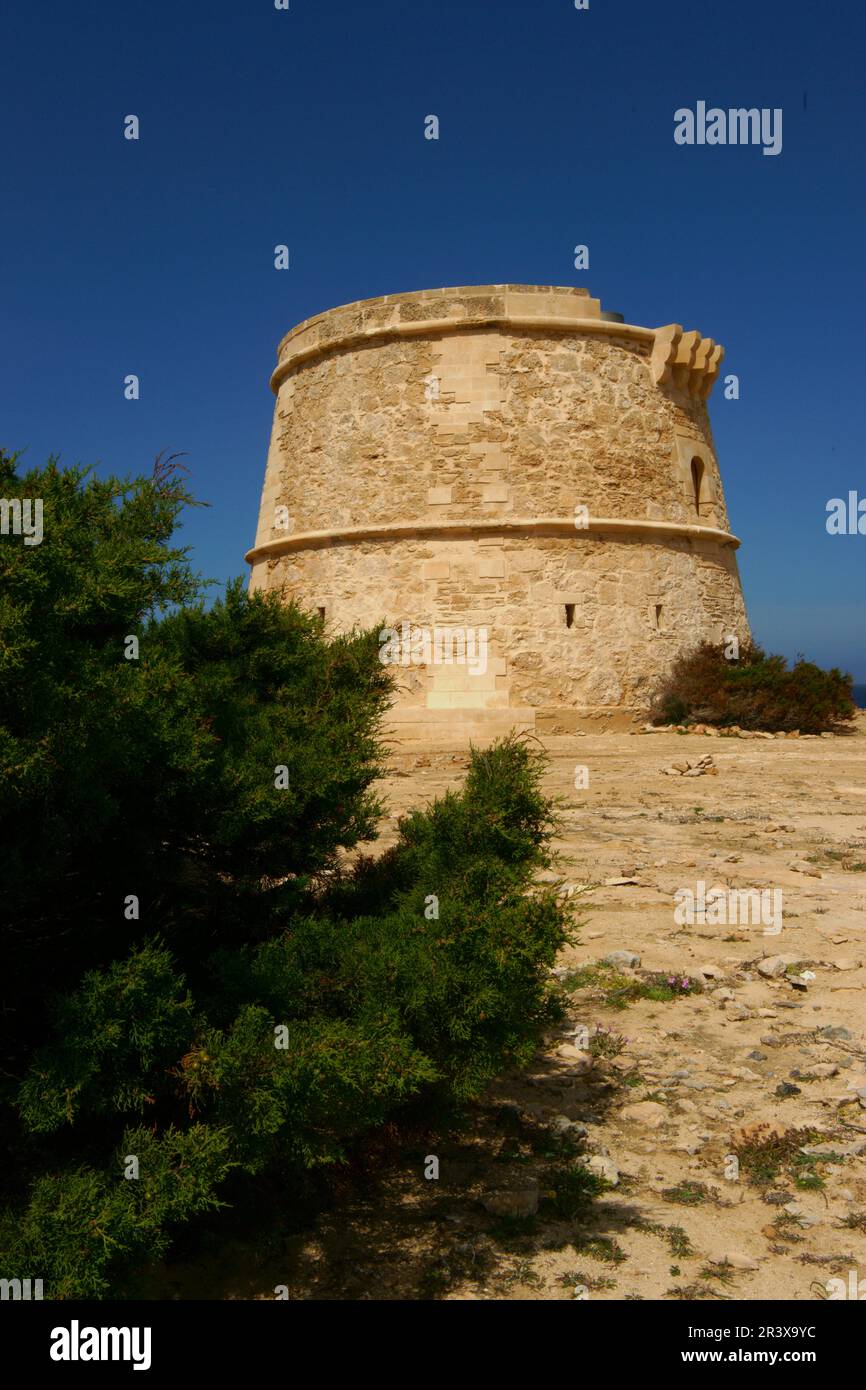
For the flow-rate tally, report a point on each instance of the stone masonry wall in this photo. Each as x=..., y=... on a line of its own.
x=501, y=409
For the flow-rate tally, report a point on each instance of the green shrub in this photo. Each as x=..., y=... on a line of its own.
x=83, y=1228
x=754, y=692
x=264, y=1004
x=155, y=777
x=297, y=1045
x=302, y=1103
x=116, y=1035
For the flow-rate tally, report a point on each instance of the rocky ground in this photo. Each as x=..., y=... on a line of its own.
x=727, y=1109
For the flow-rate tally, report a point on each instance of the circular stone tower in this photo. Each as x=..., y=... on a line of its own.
x=525, y=479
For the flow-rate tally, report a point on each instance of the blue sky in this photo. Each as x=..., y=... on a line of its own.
x=305, y=127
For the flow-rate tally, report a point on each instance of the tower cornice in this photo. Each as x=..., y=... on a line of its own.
x=504, y=526
x=687, y=360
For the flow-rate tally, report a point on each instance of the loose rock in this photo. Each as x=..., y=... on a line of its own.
x=629, y=959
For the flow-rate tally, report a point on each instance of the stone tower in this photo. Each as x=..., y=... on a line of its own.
x=513, y=472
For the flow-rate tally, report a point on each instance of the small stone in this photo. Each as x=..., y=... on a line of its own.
x=774, y=966
x=563, y=1125
x=518, y=1198
x=629, y=959
x=645, y=1112
x=801, y=866
x=605, y=1168
x=737, y=1011
x=828, y=1147
x=785, y=1090
x=582, y=1061
x=509, y=1110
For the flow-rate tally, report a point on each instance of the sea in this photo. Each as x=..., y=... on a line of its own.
x=860, y=696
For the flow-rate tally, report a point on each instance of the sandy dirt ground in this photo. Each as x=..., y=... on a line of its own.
x=696, y=1108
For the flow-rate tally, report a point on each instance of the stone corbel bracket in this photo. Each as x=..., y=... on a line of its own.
x=687, y=361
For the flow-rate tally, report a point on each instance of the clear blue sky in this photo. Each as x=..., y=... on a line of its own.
x=305, y=127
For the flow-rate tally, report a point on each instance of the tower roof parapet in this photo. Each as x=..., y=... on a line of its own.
x=688, y=361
